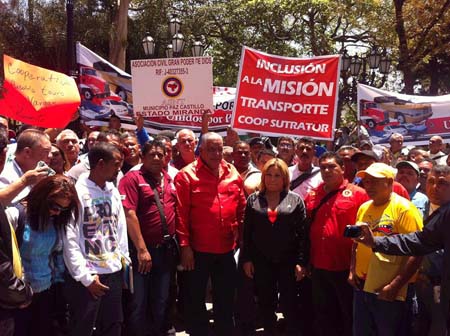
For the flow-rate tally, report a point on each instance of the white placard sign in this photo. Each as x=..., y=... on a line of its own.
x=172, y=86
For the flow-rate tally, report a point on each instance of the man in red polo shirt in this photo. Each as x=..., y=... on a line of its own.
x=363, y=160
x=153, y=251
x=332, y=206
x=210, y=210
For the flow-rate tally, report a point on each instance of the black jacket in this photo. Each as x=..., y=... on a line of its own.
x=435, y=236
x=13, y=291
x=286, y=240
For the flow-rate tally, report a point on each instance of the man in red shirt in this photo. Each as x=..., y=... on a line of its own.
x=363, y=160
x=152, y=250
x=210, y=210
x=331, y=207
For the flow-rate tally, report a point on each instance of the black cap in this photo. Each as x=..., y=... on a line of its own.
x=255, y=141
x=409, y=164
x=267, y=143
x=368, y=153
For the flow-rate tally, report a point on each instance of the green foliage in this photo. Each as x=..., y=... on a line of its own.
x=283, y=27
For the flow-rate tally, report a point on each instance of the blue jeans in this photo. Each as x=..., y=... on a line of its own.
x=146, y=308
x=222, y=270
x=376, y=317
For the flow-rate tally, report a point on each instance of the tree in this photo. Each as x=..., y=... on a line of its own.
x=118, y=34
x=423, y=30
x=415, y=31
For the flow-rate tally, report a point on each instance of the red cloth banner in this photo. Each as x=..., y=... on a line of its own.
x=287, y=96
x=37, y=96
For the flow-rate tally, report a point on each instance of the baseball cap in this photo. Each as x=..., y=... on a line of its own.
x=378, y=170
x=369, y=153
x=255, y=141
x=364, y=143
x=409, y=164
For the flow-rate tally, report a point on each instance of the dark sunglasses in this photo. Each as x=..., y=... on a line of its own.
x=56, y=207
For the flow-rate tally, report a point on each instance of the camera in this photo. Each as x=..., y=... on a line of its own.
x=352, y=231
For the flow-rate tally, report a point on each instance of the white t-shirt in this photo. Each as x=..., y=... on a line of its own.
x=306, y=186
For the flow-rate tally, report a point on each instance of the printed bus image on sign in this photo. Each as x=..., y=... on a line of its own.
x=402, y=110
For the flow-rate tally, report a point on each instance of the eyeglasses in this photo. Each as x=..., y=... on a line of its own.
x=56, y=207
x=286, y=145
x=302, y=148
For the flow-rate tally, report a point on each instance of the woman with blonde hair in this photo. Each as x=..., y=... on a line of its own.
x=275, y=244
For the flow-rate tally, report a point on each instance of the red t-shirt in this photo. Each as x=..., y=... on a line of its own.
x=400, y=190
x=137, y=195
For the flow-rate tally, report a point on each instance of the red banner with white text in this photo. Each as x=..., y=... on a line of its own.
x=287, y=96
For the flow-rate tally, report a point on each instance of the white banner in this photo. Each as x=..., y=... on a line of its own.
x=172, y=86
x=417, y=118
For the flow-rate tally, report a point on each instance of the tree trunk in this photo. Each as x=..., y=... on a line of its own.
x=312, y=32
x=31, y=11
x=118, y=35
x=434, y=77
x=404, y=62
x=409, y=79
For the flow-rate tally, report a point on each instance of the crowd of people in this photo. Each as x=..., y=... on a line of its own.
x=123, y=233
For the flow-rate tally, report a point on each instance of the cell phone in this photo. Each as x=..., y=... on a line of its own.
x=42, y=164
x=352, y=231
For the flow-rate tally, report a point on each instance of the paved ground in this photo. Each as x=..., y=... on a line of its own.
x=209, y=306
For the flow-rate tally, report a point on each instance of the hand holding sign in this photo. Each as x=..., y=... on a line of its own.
x=38, y=96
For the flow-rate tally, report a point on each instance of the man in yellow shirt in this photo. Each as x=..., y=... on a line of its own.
x=381, y=280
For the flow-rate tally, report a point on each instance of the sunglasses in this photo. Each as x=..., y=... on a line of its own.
x=56, y=207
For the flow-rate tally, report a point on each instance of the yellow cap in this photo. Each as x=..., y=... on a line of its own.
x=378, y=170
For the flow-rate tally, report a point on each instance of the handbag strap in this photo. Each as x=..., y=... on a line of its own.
x=302, y=178
x=20, y=223
x=322, y=202
x=165, y=229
